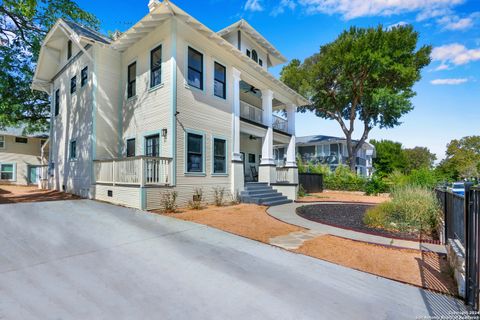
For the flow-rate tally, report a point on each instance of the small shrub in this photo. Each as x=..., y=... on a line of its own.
x=197, y=199
x=218, y=194
x=301, y=191
x=235, y=198
x=411, y=209
x=375, y=185
x=168, y=201
x=344, y=179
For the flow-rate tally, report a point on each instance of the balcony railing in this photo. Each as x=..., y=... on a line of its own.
x=280, y=123
x=282, y=174
x=140, y=171
x=250, y=112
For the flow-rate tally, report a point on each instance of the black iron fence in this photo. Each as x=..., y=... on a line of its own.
x=453, y=214
x=311, y=182
x=472, y=234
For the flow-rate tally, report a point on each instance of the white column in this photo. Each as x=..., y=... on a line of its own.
x=291, y=152
x=267, y=147
x=236, y=116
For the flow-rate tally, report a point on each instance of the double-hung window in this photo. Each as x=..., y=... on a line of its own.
x=131, y=147
x=219, y=155
x=84, y=76
x=152, y=146
x=21, y=140
x=156, y=67
x=132, y=79
x=73, y=84
x=6, y=171
x=2, y=142
x=219, y=86
x=73, y=150
x=195, y=153
x=195, y=68
x=57, y=102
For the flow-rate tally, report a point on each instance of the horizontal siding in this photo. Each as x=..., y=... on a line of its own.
x=22, y=162
x=32, y=147
x=125, y=196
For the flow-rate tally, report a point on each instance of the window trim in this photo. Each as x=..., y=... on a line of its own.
x=135, y=81
x=187, y=85
x=213, y=173
x=158, y=45
x=3, y=140
x=215, y=61
x=82, y=84
x=73, y=89
x=14, y=171
x=70, y=157
x=204, y=142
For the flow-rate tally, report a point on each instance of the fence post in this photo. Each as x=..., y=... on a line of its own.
x=142, y=171
x=445, y=227
x=466, y=209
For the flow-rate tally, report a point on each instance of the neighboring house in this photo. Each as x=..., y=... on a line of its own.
x=332, y=151
x=166, y=105
x=22, y=158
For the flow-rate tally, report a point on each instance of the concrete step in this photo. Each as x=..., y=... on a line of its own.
x=256, y=184
x=258, y=193
x=270, y=198
x=277, y=202
x=257, y=187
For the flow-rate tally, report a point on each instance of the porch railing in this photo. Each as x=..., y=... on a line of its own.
x=279, y=123
x=250, y=112
x=282, y=174
x=140, y=171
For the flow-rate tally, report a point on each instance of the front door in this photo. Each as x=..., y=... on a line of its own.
x=152, y=146
x=33, y=175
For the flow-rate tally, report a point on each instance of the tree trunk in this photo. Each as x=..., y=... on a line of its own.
x=351, y=153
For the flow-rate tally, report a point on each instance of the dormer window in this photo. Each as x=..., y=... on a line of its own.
x=254, y=56
x=248, y=53
x=69, y=49
x=260, y=62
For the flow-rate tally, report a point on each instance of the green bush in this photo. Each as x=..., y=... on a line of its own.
x=168, y=201
x=344, y=179
x=301, y=191
x=376, y=185
x=412, y=208
x=197, y=199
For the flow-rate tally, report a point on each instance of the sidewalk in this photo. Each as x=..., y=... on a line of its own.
x=286, y=213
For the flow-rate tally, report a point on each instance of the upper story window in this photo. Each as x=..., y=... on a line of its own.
x=2, y=142
x=219, y=87
x=84, y=76
x=260, y=62
x=254, y=56
x=156, y=66
x=57, y=102
x=152, y=146
x=73, y=84
x=195, y=68
x=131, y=147
x=21, y=140
x=195, y=153
x=69, y=49
x=249, y=54
x=73, y=149
x=132, y=79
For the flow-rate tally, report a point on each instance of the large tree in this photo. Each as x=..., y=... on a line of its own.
x=389, y=157
x=462, y=158
x=418, y=158
x=365, y=74
x=23, y=25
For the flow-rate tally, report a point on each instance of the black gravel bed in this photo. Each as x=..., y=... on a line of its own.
x=350, y=216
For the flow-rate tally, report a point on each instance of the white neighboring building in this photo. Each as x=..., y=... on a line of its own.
x=332, y=151
x=167, y=105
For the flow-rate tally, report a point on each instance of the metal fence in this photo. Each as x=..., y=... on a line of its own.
x=472, y=261
x=311, y=182
x=453, y=206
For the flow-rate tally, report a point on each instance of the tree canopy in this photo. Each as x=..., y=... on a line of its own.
x=365, y=74
x=389, y=157
x=418, y=158
x=462, y=158
x=23, y=25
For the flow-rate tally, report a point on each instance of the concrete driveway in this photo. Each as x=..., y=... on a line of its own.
x=88, y=260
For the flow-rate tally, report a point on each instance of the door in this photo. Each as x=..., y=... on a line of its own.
x=152, y=149
x=33, y=175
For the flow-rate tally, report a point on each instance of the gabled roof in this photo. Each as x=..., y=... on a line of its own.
x=19, y=132
x=309, y=140
x=243, y=25
x=87, y=32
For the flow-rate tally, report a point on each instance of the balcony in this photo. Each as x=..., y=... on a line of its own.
x=279, y=123
x=137, y=171
x=255, y=114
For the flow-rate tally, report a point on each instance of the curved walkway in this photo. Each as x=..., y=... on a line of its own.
x=286, y=213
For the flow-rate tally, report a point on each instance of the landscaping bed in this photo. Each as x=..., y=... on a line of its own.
x=16, y=194
x=342, y=196
x=350, y=216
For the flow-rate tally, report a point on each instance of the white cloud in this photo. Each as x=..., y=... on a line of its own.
x=351, y=9
x=453, y=22
x=398, y=24
x=453, y=81
x=455, y=54
x=253, y=5
x=442, y=66
x=289, y=4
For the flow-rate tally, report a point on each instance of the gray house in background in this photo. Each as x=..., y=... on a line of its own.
x=332, y=151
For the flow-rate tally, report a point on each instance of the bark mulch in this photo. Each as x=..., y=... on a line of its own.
x=350, y=216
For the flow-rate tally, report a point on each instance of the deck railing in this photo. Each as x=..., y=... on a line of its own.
x=282, y=174
x=140, y=170
x=250, y=112
x=279, y=123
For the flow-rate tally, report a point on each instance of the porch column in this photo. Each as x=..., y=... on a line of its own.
x=267, y=169
x=237, y=174
x=291, y=152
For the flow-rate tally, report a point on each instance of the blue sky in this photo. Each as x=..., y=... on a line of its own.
x=447, y=105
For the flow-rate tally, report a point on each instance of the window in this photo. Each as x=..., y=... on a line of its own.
x=73, y=149
x=195, y=68
x=152, y=146
x=84, y=76
x=132, y=79
x=6, y=171
x=194, y=153
x=251, y=158
x=254, y=56
x=130, y=147
x=57, y=102
x=156, y=66
x=73, y=84
x=260, y=62
x=2, y=142
x=219, y=88
x=69, y=49
x=21, y=140
x=248, y=53
x=219, y=156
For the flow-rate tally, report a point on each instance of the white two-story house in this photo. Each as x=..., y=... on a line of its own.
x=167, y=105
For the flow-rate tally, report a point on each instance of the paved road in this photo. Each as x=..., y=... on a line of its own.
x=89, y=260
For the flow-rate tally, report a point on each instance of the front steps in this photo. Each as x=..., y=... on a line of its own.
x=263, y=194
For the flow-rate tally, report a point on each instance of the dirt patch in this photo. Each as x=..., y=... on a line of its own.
x=350, y=216
x=343, y=196
x=15, y=194
x=424, y=269
x=247, y=220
